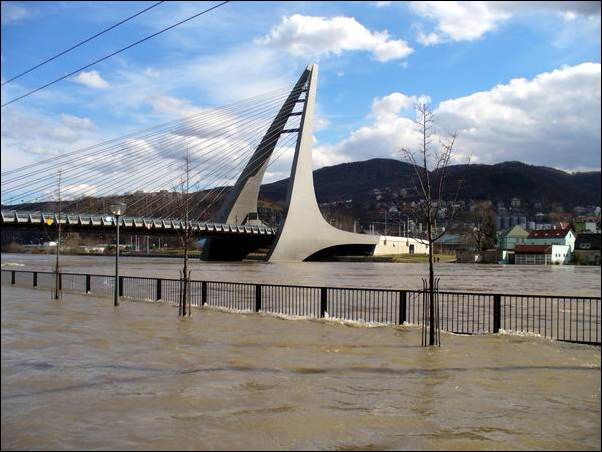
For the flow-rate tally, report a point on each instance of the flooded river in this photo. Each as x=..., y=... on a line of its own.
x=81, y=374
x=553, y=280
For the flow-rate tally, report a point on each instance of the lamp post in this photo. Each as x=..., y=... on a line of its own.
x=117, y=209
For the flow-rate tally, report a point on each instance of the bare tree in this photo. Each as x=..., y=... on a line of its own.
x=483, y=233
x=431, y=163
x=185, y=237
x=57, y=267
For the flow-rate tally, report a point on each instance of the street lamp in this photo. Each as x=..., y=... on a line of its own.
x=117, y=209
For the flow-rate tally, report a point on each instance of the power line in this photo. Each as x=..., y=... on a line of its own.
x=113, y=54
x=80, y=44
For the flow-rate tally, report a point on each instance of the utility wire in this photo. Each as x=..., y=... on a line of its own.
x=112, y=54
x=79, y=44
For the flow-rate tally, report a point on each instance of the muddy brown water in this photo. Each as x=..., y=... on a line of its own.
x=529, y=279
x=81, y=374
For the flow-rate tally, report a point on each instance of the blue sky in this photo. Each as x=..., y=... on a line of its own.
x=516, y=81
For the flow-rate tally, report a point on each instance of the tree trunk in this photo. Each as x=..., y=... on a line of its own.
x=431, y=283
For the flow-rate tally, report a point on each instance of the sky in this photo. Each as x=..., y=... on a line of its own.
x=514, y=80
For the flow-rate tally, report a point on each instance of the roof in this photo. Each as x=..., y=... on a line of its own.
x=549, y=233
x=588, y=242
x=450, y=239
x=517, y=231
x=533, y=249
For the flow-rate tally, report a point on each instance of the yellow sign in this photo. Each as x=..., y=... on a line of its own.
x=49, y=221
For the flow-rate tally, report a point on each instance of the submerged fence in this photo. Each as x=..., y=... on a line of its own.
x=565, y=318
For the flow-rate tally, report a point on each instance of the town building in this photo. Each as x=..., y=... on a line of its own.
x=587, y=249
x=587, y=224
x=542, y=254
x=508, y=241
x=515, y=236
x=564, y=236
x=400, y=245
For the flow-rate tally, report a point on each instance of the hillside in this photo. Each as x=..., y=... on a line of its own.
x=498, y=182
x=368, y=182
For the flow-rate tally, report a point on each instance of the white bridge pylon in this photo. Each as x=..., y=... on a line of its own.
x=304, y=234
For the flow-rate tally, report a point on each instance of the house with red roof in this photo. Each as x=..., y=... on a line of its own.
x=541, y=254
x=546, y=246
x=564, y=236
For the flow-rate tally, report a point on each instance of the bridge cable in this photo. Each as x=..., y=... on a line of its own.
x=219, y=173
x=219, y=176
x=138, y=132
x=119, y=145
x=254, y=164
x=228, y=164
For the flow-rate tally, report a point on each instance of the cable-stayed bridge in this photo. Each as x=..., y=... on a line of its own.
x=201, y=173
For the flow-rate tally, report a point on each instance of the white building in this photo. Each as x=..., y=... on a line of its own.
x=542, y=254
x=552, y=237
x=399, y=245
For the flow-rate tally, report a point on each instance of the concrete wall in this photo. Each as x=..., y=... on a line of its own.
x=399, y=245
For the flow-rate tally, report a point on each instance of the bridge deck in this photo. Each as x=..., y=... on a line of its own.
x=94, y=221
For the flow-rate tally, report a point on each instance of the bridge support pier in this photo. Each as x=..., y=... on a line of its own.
x=304, y=233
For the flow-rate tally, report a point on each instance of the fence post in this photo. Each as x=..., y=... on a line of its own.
x=323, y=301
x=88, y=284
x=403, y=300
x=257, y=297
x=159, y=293
x=203, y=293
x=121, y=286
x=60, y=281
x=35, y=279
x=12, y=277
x=497, y=313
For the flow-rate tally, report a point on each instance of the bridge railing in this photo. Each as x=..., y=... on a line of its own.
x=565, y=318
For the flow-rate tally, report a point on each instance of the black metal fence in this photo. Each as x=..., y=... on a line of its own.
x=565, y=318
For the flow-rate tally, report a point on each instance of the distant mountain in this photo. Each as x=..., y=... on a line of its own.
x=375, y=183
x=498, y=182
x=349, y=180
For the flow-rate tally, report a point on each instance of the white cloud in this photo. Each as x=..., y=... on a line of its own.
x=171, y=105
x=382, y=4
x=553, y=119
x=91, y=79
x=428, y=39
x=468, y=21
x=75, y=122
x=153, y=73
x=13, y=12
x=312, y=36
x=459, y=21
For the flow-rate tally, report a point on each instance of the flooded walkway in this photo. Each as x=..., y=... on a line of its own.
x=82, y=374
